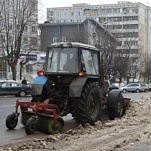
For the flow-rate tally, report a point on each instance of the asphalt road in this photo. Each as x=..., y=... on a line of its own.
x=7, y=106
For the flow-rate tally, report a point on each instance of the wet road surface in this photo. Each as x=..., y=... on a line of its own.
x=7, y=106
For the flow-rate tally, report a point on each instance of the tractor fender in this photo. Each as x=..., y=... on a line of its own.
x=76, y=86
x=113, y=98
x=39, y=83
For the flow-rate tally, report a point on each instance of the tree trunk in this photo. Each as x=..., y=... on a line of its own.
x=13, y=66
x=13, y=69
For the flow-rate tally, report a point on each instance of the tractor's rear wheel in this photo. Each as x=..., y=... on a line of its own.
x=88, y=108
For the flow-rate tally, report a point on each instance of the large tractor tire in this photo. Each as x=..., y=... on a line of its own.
x=88, y=108
x=115, y=105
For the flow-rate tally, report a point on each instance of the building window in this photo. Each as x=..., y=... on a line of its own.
x=102, y=19
x=58, y=21
x=51, y=13
x=1, y=25
x=55, y=39
x=2, y=38
x=116, y=10
x=135, y=11
x=72, y=13
x=95, y=11
x=130, y=34
x=114, y=19
x=63, y=39
x=102, y=11
x=130, y=18
x=79, y=13
x=130, y=26
x=130, y=43
x=125, y=10
x=29, y=68
x=33, y=29
x=108, y=10
x=114, y=26
x=25, y=40
x=119, y=43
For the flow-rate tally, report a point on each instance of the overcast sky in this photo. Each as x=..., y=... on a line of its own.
x=66, y=3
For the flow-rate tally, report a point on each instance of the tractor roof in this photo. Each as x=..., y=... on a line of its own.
x=73, y=44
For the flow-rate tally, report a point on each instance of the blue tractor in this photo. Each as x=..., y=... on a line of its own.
x=72, y=82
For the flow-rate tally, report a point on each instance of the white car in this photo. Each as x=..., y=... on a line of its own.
x=135, y=87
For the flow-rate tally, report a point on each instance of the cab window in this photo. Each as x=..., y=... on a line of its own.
x=90, y=61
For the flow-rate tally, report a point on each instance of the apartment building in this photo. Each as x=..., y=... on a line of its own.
x=129, y=22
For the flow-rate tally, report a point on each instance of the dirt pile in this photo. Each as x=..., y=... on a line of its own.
x=103, y=136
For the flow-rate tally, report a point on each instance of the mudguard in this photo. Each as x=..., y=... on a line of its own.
x=112, y=98
x=76, y=86
x=39, y=83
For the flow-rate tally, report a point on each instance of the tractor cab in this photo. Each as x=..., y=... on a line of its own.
x=69, y=60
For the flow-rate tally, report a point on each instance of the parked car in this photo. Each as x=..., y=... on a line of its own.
x=112, y=86
x=11, y=87
x=135, y=87
x=149, y=87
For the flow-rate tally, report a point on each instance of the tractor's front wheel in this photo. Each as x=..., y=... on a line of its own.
x=88, y=108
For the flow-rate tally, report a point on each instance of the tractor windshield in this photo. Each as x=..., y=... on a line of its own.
x=63, y=60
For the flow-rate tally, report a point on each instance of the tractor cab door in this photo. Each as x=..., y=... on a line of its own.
x=90, y=62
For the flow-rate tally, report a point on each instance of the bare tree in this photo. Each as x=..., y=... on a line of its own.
x=146, y=73
x=126, y=50
x=125, y=62
x=15, y=16
x=125, y=55
x=106, y=43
